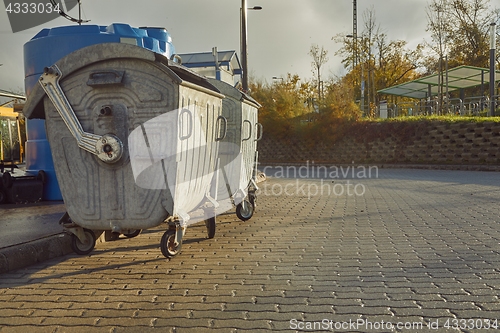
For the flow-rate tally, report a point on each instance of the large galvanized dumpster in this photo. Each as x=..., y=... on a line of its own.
x=238, y=151
x=51, y=44
x=110, y=110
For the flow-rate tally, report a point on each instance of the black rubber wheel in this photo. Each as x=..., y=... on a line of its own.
x=210, y=224
x=133, y=234
x=83, y=248
x=41, y=176
x=167, y=244
x=3, y=197
x=245, y=214
x=7, y=180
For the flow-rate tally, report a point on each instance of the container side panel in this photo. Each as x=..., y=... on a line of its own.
x=100, y=195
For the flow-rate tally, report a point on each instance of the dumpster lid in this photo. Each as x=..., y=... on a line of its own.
x=186, y=74
x=105, y=51
x=231, y=91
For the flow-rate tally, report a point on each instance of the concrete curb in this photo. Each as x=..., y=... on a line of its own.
x=26, y=254
x=463, y=167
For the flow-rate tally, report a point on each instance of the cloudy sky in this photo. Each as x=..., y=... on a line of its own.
x=279, y=35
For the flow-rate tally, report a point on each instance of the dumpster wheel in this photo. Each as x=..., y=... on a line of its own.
x=41, y=176
x=252, y=197
x=210, y=224
x=244, y=210
x=86, y=247
x=168, y=246
x=7, y=180
x=133, y=234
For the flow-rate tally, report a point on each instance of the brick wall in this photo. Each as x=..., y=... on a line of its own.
x=424, y=142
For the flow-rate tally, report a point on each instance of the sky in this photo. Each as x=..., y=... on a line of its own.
x=279, y=36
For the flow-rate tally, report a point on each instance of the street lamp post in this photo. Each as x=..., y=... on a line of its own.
x=492, y=68
x=362, y=86
x=244, y=47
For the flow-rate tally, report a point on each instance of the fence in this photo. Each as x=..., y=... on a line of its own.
x=470, y=106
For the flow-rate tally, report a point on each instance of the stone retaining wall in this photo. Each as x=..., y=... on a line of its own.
x=425, y=142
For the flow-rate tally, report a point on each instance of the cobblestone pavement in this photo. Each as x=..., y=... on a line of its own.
x=409, y=248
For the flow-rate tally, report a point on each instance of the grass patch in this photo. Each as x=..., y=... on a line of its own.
x=444, y=119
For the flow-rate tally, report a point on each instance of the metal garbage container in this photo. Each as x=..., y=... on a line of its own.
x=51, y=44
x=238, y=151
x=134, y=139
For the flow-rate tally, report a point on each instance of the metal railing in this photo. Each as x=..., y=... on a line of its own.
x=470, y=106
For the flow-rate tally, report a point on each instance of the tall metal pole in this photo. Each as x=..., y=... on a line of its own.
x=492, y=68
x=440, y=85
x=362, y=90
x=355, y=30
x=244, y=51
x=447, y=82
x=369, y=72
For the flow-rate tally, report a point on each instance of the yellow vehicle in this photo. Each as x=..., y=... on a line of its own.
x=12, y=136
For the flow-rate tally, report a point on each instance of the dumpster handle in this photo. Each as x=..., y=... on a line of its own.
x=250, y=129
x=108, y=148
x=187, y=136
x=224, y=121
x=176, y=58
x=106, y=77
x=260, y=130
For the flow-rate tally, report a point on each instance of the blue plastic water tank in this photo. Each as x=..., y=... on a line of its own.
x=50, y=45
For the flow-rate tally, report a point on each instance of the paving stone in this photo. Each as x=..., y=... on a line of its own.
x=22, y=329
x=416, y=246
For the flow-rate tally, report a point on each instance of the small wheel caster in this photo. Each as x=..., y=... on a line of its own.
x=168, y=246
x=244, y=210
x=210, y=224
x=83, y=248
x=133, y=233
x=252, y=198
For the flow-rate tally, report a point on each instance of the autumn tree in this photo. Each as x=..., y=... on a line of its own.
x=289, y=110
x=338, y=104
x=319, y=59
x=382, y=62
x=439, y=25
x=283, y=103
x=460, y=29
